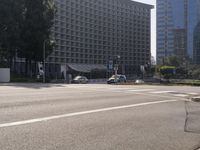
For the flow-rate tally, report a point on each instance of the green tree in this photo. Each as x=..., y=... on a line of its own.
x=194, y=71
x=10, y=20
x=172, y=61
x=181, y=65
x=36, y=29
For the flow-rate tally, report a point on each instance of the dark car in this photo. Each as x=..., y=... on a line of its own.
x=80, y=80
x=116, y=79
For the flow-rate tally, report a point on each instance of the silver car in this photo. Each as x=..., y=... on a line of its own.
x=116, y=79
x=80, y=80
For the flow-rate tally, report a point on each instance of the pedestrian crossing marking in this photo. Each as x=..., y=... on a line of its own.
x=141, y=90
x=193, y=93
x=180, y=95
x=160, y=92
x=122, y=88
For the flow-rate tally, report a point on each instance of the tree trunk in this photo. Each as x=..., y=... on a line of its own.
x=26, y=67
x=14, y=65
x=10, y=64
x=35, y=68
x=30, y=69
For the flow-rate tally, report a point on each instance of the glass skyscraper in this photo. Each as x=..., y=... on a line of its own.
x=177, y=22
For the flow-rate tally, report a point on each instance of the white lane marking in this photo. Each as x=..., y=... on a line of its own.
x=139, y=93
x=18, y=123
x=141, y=90
x=192, y=93
x=160, y=92
x=180, y=95
x=122, y=88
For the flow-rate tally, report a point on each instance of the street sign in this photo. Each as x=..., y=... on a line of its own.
x=40, y=68
x=142, y=68
x=110, y=65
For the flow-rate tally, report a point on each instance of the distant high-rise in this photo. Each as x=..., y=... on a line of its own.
x=177, y=22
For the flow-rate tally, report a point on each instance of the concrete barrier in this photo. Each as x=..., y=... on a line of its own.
x=4, y=75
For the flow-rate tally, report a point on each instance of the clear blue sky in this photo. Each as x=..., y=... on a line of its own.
x=153, y=24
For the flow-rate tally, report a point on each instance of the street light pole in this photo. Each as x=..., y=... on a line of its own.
x=52, y=42
x=44, y=53
x=116, y=64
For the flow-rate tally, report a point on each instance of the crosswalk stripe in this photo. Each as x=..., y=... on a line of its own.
x=121, y=88
x=160, y=92
x=193, y=93
x=180, y=95
x=141, y=90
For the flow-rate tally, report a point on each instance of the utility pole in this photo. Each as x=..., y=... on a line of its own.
x=51, y=42
x=116, y=67
x=44, y=56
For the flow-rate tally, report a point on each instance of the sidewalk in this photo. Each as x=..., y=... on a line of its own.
x=99, y=81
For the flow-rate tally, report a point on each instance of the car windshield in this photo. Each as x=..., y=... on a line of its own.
x=84, y=78
x=115, y=76
x=123, y=76
x=77, y=78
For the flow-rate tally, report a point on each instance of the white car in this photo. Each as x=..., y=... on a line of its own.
x=139, y=81
x=80, y=80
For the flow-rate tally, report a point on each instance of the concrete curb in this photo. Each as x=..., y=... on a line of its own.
x=97, y=81
x=196, y=99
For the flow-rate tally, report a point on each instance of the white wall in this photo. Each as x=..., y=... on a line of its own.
x=4, y=75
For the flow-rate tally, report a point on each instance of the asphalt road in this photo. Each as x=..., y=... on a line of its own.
x=98, y=117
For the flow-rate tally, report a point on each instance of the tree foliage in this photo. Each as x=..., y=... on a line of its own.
x=194, y=71
x=10, y=20
x=171, y=61
x=24, y=26
x=36, y=28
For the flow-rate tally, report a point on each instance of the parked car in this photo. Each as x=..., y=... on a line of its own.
x=139, y=81
x=80, y=80
x=116, y=79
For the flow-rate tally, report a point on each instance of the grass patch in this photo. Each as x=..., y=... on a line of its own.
x=188, y=82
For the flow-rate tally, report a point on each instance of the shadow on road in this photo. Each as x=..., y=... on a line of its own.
x=31, y=85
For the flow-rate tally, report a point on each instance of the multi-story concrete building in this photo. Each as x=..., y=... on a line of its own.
x=91, y=33
x=176, y=22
